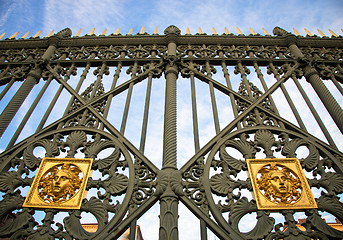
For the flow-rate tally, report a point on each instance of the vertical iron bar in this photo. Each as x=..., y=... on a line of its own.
x=126, y=109
x=228, y=82
x=213, y=100
x=109, y=98
x=5, y=90
x=288, y=98
x=54, y=100
x=32, y=79
x=194, y=115
x=319, y=87
x=338, y=86
x=146, y=114
x=29, y=112
x=314, y=112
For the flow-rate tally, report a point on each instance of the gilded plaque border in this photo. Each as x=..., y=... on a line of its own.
x=34, y=200
x=305, y=201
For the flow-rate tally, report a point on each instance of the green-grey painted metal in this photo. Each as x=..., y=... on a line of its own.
x=211, y=174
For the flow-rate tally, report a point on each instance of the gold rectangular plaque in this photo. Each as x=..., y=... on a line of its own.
x=280, y=183
x=59, y=183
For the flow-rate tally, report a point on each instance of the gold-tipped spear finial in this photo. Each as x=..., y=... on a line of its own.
x=239, y=31
x=333, y=33
x=50, y=33
x=78, y=33
x=2, y=35
x=92, y=32
x=37, y=34
x=117, y=31
x=214, y=31
x=200, y=31
x=252, y=31
x=156, y=30
x=104, y=32
x=142, y=30
x=25, y=35
x=226, y=31
x=14, y=35
x=308, y=32
x=296, y=32
x=265, y=31
x=188, y=32
x=130, y=31
x=321, y=33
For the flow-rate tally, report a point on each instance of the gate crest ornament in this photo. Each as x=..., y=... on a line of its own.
x=280, y=184
x=60, y=183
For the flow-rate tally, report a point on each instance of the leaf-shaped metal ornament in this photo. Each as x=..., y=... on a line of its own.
x=9, y=181
x=264, y=223
x=220, y=184
x=323, y=227
x=75, y=140
x=97, y=147
x=21, y=220
x=116, y=184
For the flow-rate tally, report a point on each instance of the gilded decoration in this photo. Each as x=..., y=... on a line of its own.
x=59, y=183
x=280, y=184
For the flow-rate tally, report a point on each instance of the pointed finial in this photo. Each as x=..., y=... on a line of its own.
x=117, y=31
x=78, y=33
x=214, y=31
x=104, y=32
x=142, y=30
x=321, y=33
x=92, y=32
x=37, y=34
x=50, y=33
x=188, y=32
x=265, y=31
x=2, y=35
x=156, y=30
x=25, y=35
x=296, y=32
x=200, y=31
x=226, y=31
x=252, y=31
x=333, y=33
x=130, y=31
x=308, y=32
x=239, y=31
x=14, y=35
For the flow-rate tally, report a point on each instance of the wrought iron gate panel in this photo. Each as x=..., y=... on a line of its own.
x=125, y=182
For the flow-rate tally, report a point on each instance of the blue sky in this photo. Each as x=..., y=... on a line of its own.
x=36, y=15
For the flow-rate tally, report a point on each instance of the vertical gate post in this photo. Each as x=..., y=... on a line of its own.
x=169, y=200
x=32, y=79
x=313, y=78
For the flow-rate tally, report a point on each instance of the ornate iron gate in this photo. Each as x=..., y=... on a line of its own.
x=210, y=184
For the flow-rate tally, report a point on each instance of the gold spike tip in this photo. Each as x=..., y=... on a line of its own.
x=226, y=31
x=25, y=35
x=252, y=31
x=200, y=31
x=239, y=31
x=156, y=31
x=78, y=33
x=334, y=34
x=214, y=31
x=117, y=31
x=50, y=33
x=104, y=32
x=188, y=32
x=130, y=31
x=142, y=30
x=321, y=33
x=308, y=32
x=14, y=35
x=37, y=34
x=265, y=32
x=92, y=32
x=2, y=35
x=296, y=32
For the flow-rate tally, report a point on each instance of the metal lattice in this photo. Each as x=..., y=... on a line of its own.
x=79, y=121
